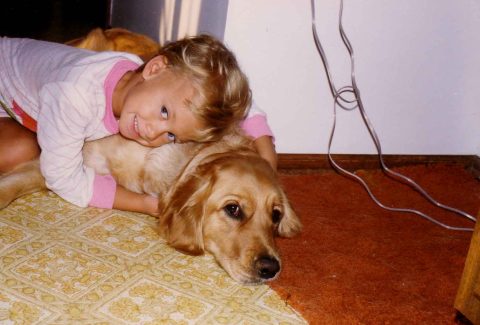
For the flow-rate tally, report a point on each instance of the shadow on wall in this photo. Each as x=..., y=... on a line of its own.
x=63, y=20
x=167, y=20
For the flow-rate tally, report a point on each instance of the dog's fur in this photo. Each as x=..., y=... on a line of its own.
x=221, y=197
x=117, y=39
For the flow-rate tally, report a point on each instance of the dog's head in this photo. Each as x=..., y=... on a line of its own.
x=231, y=206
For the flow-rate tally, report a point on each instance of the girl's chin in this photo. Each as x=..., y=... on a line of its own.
x=128, y=136
x=128, y=133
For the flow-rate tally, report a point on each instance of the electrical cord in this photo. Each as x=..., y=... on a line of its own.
x=341, y=100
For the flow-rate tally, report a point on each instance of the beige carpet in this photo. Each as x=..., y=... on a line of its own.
x=63, y=264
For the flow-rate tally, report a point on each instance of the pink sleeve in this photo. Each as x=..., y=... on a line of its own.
x=256, y=126
x=104, y=188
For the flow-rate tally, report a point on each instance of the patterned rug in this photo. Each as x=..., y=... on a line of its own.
x=64, y=264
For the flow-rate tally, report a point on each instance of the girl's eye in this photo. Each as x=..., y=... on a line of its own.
x=164, y=112
x=171, y=137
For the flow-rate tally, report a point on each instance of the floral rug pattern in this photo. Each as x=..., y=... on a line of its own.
x=60, y=264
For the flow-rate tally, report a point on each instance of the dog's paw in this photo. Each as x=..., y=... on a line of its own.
x=6, y=198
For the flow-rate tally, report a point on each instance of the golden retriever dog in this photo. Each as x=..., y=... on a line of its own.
x=221, y=197
x=117, y=39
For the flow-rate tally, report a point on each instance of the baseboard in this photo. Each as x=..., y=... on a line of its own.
x=476, y=166
x=354, y=162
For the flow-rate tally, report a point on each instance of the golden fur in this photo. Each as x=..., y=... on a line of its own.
x=199, y=186
x=118, y=39
x=220, y=197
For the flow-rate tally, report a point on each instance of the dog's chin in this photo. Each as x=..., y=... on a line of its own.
x=246, y=276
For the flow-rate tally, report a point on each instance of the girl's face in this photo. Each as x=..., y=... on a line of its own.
x=155, y=108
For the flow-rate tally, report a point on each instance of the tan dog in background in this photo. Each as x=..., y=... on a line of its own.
x=219, y=197
x=117, y=39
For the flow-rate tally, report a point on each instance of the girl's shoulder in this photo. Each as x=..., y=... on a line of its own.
x=95, y=66
x=45, y=62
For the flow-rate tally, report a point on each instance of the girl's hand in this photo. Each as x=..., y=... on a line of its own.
x=265, y=147
x=151, y=205
x=135, y=202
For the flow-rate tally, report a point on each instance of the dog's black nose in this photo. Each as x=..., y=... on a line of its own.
x=267, y=267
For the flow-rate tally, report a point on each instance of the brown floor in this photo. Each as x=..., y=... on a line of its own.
x=355, y=263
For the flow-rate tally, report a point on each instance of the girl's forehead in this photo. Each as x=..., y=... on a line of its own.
x=178, y=92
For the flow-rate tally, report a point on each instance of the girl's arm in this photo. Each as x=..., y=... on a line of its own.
x=131, y=201
x=265, y=147
x=256, y=126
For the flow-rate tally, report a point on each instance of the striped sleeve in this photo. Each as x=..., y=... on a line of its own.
x=64, y=116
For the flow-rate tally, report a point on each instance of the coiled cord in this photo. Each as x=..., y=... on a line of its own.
x=341, y=100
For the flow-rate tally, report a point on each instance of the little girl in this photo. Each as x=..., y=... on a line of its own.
x=193, y=90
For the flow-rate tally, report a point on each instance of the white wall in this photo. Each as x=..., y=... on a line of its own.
x=417, y=67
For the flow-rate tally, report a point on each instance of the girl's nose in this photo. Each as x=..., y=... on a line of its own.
x=154, y=130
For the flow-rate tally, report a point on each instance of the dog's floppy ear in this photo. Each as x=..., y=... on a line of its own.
x=181, y=221
x=290, y=224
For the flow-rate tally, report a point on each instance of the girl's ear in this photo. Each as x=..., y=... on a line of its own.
x=154, y=66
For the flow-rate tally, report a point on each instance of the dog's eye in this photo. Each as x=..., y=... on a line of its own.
x=233, y=211
x=276, y=215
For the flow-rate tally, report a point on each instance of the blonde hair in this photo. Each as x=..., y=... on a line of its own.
x=223, y=93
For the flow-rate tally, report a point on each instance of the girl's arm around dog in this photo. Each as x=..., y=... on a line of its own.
x=130, y=201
